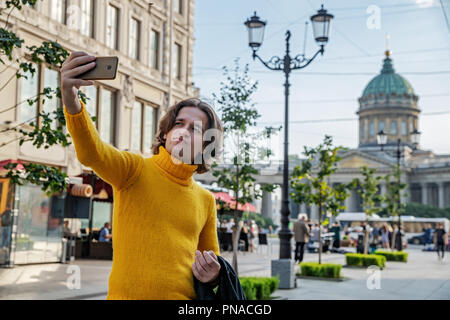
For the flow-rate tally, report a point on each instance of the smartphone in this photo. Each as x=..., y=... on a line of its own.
x=105, y=69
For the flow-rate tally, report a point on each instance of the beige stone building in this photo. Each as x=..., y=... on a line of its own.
x=154, y=43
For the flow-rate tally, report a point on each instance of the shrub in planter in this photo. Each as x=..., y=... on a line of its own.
x=258, y=288
x=365, y=260
x=393, y=255
x=249, y=288
x=324, y=270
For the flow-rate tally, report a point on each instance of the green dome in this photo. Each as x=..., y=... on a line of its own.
x=388, y=82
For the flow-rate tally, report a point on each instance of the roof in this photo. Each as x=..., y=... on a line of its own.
x=388, y=82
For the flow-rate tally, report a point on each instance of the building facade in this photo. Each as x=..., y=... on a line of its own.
x=154, y=43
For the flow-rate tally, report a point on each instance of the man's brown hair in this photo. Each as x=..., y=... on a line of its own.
x=167, y=122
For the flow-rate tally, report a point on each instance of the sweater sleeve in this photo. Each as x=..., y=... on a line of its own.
x=118, y=168
x=208, y=237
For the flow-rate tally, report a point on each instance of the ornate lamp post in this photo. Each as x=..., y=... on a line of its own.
x=382, y=140
x=321, y=27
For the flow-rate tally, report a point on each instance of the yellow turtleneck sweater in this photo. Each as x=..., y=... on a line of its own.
x=161, y=216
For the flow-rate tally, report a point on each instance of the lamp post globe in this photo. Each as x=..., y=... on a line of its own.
x=415, y=136
x=381, y=139
x=255, y=27
x=321, y=24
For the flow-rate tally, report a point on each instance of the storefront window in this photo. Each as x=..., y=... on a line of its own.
x=6, y=218
x=38, y=236
x=51, y=80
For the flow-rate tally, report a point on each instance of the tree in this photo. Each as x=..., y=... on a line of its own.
x=309, y=184
x=239, y=115
x=368, y=190
x=46, y=129
x=395, y=191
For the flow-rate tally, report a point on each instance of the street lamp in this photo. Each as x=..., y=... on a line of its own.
x=321, y=28
x=382, y=140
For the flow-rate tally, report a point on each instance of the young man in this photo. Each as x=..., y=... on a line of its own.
x=440, y=240
x=164, y=222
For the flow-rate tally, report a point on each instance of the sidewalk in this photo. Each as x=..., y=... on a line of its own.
x=423, y=277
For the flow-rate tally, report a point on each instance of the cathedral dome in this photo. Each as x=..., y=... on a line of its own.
x=388, y=82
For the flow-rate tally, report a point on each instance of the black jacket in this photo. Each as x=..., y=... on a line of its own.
x=228, y=282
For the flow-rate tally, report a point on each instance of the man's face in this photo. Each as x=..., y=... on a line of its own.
x=187, y=134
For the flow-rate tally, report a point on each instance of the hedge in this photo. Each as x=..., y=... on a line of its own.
x=325, y=270
x=259, y=288
x=365, y=260
x=393, y=256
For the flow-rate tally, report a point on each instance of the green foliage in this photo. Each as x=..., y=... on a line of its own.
x=325, y=270
x=394, y=192
x=309, y=184
x=425, y=211
x=51, y=179
x=47, y=128
x=393, y=255
x=365, y=260
x=368, y=190
x=259, y=288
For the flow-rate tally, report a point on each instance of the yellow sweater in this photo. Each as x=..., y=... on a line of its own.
x=161, y=216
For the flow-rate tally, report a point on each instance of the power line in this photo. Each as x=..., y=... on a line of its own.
x=343, y=119
x=445, y=15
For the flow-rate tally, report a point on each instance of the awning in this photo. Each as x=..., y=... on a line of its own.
x=3, y=163
x=231, y=202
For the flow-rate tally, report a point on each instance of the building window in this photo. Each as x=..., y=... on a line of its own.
x=91, y=104
x=154, y=49
x=136, y=127
x=178, y=6
x=363, y=130
x=149, y=127
x=107, y=108
x=112, y=23
x=87, y=18
x=372, y=129
x=58, y=10
x=177, y=61
x=133, y=48
x=393, y=128
x=381, y=126
x=404, y=128
x=29, y=90
x=51, y=80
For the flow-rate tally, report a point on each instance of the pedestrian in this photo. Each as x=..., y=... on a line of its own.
x=301, y=233
x=104, y=235
x=385, y=230
x=165, y=231
x=7, y=222
x=336, y=229
x=253, y=235
x=440, y=240
x=230, y=225
x=427, y=236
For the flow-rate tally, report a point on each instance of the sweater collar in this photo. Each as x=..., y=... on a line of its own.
x=178, y=171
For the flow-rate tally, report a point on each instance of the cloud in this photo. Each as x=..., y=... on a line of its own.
x=426, y=3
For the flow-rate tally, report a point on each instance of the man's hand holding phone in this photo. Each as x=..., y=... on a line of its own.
x=77, y=63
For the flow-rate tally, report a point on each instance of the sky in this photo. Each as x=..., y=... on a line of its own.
x=329, y=88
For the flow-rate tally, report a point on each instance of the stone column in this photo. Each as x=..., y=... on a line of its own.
x=266, y=204
x=348, y=203
x=383, y=191
x=314, y=212
x=424, y=193
x=441, y=194
x=303, y=208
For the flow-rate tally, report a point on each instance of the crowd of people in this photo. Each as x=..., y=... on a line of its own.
x=385, y=236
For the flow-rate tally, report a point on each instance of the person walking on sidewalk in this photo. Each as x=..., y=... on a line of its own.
x=440, y=240
x=7, y=222
x=164, y=222
x=301, y=232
